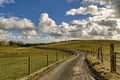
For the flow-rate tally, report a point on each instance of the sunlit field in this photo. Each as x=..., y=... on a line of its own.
x=102, y=68
x=14, y=60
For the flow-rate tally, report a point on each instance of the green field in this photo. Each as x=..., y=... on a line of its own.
x=88, y=45
x=14, y=60
x=102, y=68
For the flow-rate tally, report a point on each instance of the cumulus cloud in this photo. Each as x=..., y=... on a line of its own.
x=107, y=28
x=29, y=32
x=5, y=35
x=2, y=2
x=102, y=24
x=96, y=27
x=16, y=29
x=114, y=4
x=91, y=9
x=48, y=26
x=15, y=23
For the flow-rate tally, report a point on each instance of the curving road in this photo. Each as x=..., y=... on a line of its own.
x=72, y=69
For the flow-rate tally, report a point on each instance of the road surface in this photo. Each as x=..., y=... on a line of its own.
x=72, y=69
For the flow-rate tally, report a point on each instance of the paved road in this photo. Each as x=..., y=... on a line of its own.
x=72, y=69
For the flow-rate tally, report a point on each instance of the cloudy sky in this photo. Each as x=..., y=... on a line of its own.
x=34, y=21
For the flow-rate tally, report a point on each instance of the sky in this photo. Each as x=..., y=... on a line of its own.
x=44, y=21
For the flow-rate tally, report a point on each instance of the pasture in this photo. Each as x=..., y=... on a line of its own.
x=14, y=60
x=102, y=68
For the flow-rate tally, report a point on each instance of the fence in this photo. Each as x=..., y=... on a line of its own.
x=114, y=57
x=117, y=60
x=14, y=68
x=48, y=60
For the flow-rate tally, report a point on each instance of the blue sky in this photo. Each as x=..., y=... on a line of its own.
x=32, y=9
x=34, y=21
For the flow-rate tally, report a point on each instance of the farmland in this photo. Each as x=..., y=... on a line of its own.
x=102, y=68
x=14, y=59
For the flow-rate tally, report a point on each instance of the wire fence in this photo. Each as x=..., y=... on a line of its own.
x=112, y=60
x=14, y=68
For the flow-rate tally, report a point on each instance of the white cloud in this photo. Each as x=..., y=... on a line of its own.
x=98, y=26
x=15, y=23
x=5, y=35
x=2, y=2
x=26, y=38
x=30, y=33
x=91, y=9
x=114, y=4
x=103, y=24
x=17, y=29
x=48, y=26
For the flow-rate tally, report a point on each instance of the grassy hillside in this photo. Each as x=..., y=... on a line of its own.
x=102, y=68
x=88, y=45
x=14, y=60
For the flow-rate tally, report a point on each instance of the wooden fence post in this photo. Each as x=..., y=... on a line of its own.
x=28, y=65
x=101, y=55
x=98, y=55
x=112, y=58
x=115, y=62
x=47, y=59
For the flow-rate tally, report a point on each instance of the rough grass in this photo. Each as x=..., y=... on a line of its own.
x=14, y=60
x=102, y=68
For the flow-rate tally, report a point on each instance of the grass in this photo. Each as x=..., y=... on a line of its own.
x=102, y=68
x=88, y=45
x=14, y=60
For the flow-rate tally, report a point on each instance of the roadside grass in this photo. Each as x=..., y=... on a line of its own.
x=102, y=68
x=14, y=60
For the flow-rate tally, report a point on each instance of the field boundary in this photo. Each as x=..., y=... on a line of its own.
x=93, y=72
x=40, y=72
x=49, y=67
x=100, y=59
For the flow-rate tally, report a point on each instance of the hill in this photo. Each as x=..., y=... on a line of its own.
x=92, y=45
